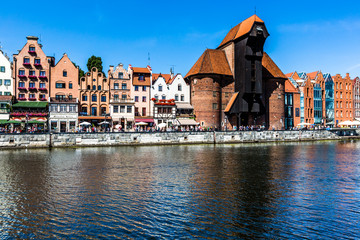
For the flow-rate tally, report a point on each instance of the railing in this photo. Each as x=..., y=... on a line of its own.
x=22, y=88
x=120, y=100
x=32, y=88
x=32, y=76
x=37, y=64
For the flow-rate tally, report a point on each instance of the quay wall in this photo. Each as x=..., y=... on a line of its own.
x=158, y=138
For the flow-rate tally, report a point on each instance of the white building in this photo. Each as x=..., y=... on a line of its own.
x=63, y=114
x=6, y=82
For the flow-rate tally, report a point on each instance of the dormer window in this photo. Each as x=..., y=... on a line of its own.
x=141, y=78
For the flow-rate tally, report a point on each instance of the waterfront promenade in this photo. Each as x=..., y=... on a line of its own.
x=44, y=140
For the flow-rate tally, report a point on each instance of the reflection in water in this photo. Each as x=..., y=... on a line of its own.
x=307, y=190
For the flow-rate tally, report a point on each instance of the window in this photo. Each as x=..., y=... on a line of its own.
x=136, y=88
x=116, y=109
x=21, y=72
x=84, y=110
x=2, y=69
x=179, y=87
x=141, y=78
x=103, y=110
x=62, y=108
x=26, y=60
x=0, y=82
x=70, y=96
x=144, y=98
x=136, y=111
x=53, y=108
x=144, y=111
x=60, y=97
x=32, y=73
x=214, y=106
x=176, y=97
x=21, y=84
x=37, y=61
x=31, y=84
x=163, y=97
x=31, y=95
x=70, y=85
x=182, y=98
x=123, y=86
x=122, y=109
x=42, y=85
x=93, y=111
x=21, y=96
x=94, y=87
x=116, y=96
x=121, y=75
x=214, y=94
x=160, y=88
x=123, y=97
x=136, y=98
x=42, y=96
x=116, y=85
x=94, y=98
x=60, y=85
x=42, y=73
x=129, y=109
x=144, y=88
x=99, y=87
x=64, y=73
x=103, y=98
x=31, y=49
x=156, y=97
x=7, y=93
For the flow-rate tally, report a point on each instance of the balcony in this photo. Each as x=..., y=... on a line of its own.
x=22, y=88
x=32, y=89
x=32, y=76
x=27, y=64
x=121, y=89
x=22, y=76
x=43, y=89
x=29, y=114
x=4, y=110
x=22, y=98
x=43, y=77
x=31, y=52
x=32, y=99
x=37, y=64
x=120, y=100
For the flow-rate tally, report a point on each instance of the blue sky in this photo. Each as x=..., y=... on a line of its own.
x=304, y=36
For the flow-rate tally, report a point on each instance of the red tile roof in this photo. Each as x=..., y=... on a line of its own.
x=141, y=70
x=231, y=102
x=312, y=75
x=289, y=87
x=271, y=67
x=241, y=29
x=211, y=62
x=167, y=77
x=5, y=98
x=288, y=75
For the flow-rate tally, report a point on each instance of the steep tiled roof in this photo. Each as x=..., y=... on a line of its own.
x=141, y=70
x=312, y=75
x=241, y=29
x=271, y=67
x=289, y=87
x=155, y=76
x=288, y=75
x=211, y=62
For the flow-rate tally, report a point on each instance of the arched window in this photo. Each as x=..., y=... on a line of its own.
x=176, y=97
x=84, y=97
x=156, y=97
x=88, y=87
x=94, y=98
x=99, y=87
x=94, y=87
x=31, y=48
x=103, y=98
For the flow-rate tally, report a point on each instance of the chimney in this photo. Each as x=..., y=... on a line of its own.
x=111, y=68
x=347, y=75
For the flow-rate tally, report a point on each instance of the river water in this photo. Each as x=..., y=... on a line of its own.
x=240, y=191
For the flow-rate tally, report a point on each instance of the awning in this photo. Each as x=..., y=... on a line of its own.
x=3, y=121
x=147, y=120
x=35, y=122
x=180, y=105
x=30, y=105
x=187, y=122
x=94, y=118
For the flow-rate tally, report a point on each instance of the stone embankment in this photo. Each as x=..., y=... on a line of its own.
x=160, y=138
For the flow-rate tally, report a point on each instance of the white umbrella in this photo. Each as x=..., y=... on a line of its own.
x=347, y=123
x=162, y=125
x=141, y=123
x=104, y=122
x=85, y=124
x=356, y=122
x=118, y=126
x=304, y=124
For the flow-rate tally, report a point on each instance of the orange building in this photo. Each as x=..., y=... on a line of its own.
x=32, y=72
x=292, y=105
x=64, y=81
x=343, y=98
x=94, y=97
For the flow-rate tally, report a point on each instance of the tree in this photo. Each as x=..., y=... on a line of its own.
x=94, y=62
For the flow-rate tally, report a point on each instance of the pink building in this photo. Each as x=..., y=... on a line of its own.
x=31, y=72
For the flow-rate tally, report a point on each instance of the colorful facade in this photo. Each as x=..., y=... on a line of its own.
x=31, y=72
x=6, y=80
x=356, y=98
x=342, y=98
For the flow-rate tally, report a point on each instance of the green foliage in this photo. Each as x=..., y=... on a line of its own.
x=94, y=62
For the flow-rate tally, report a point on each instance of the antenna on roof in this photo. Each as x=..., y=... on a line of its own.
x=40, y=38
x=149, y=59
x=172, y=69
x=255, y=10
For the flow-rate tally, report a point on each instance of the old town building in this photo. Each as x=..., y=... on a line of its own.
x=31, y=72
x=63, y=114
x=356, y=98
x=6, y=80
x=64, y=81
x=292, y=105
x=141, y=82
x=343, y=98
x=329, y=100
x=94, y=97
x=121, y=102
x=238, y=84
